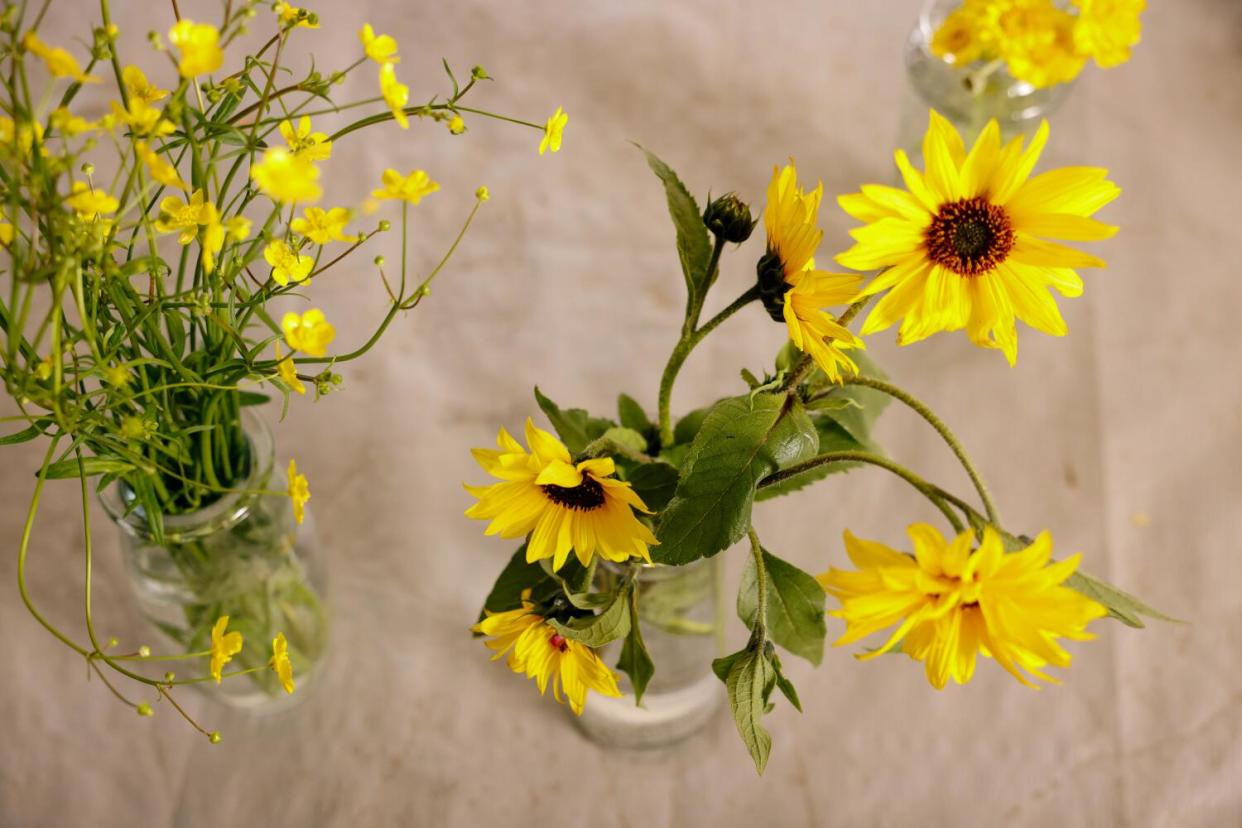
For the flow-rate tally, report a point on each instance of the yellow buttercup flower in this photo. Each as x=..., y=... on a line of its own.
x=286, y=177
x=68, y=124
x=137, y=87
x=791, y=288
x=1106, y=30
x=23, y=135
x=59, y=61
x=950, y=604
x=200, y=47
x=561, y=504
x=457, y=125
x=323, y=226
x=412, y=187
x=303, y=143
x=299, y=490
x=965, y=244
x=288, y=372
x=396, y=94
x=90, y=204
x=215, y=232
x=287, y=264
x=553, y=131
x=483, y=194
x=162, y=171
x=288, y=15
x=223, y=646
x=379, y=48
x=280, y=662
x=541, y=653
x=142, y=118
x=6, y=232
x=309, y=333
x=185, y=216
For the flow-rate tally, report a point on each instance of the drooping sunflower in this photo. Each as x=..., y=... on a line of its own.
x=541, y=653
x=562, y=505
x=791, y=288
x=951, y=604
x=966, y=244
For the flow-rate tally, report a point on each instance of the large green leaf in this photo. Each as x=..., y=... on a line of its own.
x=611, y=623
x=632, y=414
x=749, y=678
x=866, y=404
x=832, y=437
x=742, y=441
x=575, y=426
x=635, y=661
x=655, y=483
x=517, y=576
x=1120, y=605
x=795, y=606
x=693, y=246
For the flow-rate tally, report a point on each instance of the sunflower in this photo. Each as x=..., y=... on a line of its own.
x=541, y=653
x=561, y=504
x=951, y=604
x=966, y=247
x=791, y=288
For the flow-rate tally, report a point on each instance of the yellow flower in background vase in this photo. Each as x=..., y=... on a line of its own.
x=303, y=143
x=309, y=333
x=791, y=288
x=553, y=132
x=965, y=244
x=290, y=15
x=396, y=94
x=280, y=662
x=68, y=124
x=223, y=647
x=288, y=372
x=562, y=505
x=199, y=44
x=1106, y=30
x=286, y=177
x=287, y=264
x=137, y=87
x=1044, y=56
x=379, y=48
x=162, y=171
x=59, y=61
x=412, y=187
x=90, y=204
x=323, y=226
x=299, y=492
x=185, y=216
x=541, y=653
x=951, y=604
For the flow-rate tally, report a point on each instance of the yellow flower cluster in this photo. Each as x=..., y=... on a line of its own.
x=1040, y=42
x=224, y=645
x=383, y=50
x=199, y=218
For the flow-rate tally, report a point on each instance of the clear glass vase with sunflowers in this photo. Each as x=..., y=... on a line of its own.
x=969, y=244
x=158, y=270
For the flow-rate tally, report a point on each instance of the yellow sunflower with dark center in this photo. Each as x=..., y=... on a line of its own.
x=967, y=243
x=791, y=288
x=562, y=505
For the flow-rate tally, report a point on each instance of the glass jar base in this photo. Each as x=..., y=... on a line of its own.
x=664, y=719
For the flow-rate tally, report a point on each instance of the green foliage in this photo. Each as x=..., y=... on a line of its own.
x=626, y=438
x=517, y=576
x=612, y=622
x=1120, y=605
x=635, y=661
x=575, y=426
x=741, y=441
x=749, y=678
x=694, y=248
x=655, y=483
x=632, y=414
x=795, y=606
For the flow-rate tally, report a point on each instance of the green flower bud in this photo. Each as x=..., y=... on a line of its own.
x=379, y=261
x=729, y=218
x=214, y=737
x=144, y=651
x=170, y=677
x=479, y=73
x=144, y=709
x=385, y=226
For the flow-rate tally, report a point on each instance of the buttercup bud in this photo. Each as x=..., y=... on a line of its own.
x=728, y=217
x=479, y=73
x=170, y=677
x=379, y=261
x=144, y=709
x=385, y=226
x=144, y=651
x=214, y=737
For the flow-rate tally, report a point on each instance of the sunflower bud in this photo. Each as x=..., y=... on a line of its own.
x=729, y=218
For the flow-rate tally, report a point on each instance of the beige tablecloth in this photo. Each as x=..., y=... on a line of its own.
x=569, y=279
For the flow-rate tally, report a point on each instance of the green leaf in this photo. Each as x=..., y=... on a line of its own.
x=26, y=434
x=575, y=426
x=687, y=428
x=66, y=469
x=627, y=438
x=632, y=414
x=655, y=483
x=785, y=685
x=518, y=575
x=749, y=678
x=832, y=437
x=252, y=398
x=795, y=606
x=597, y=630
x=635, y=661
x=1120, y=605
x=693, y=246
x=741, y=442
x=865, y=404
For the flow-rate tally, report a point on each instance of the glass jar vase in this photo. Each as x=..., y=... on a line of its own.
x=681, y=615
x=243, y=556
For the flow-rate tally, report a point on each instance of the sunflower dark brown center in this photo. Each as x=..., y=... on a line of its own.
x=584, y=497
x=970, y=236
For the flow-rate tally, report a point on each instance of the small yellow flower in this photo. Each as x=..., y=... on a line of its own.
x=309, y=333
x=200, y=47
x=956, y=40
x=287, y=265
x=285, y=177
x=216, y=232
x=323, y=226
x=412, y=187
x=23, y=135
x=553, y=131
x=457, y=125
x=89, y=203
x=176, y=214
x=142, y=118
x=379, y=48
x=280, y=662
x=118, y=376
x=482, y=194
x=292, y=14
x=59, y=61
x=137, y=87
x=311, y=146
x=223, y=647
x=288, y=373
x=162, y=171
x=396, y=94
x=299, y=491
x=68, y=124
x=1106, y=30
x=6, y=232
